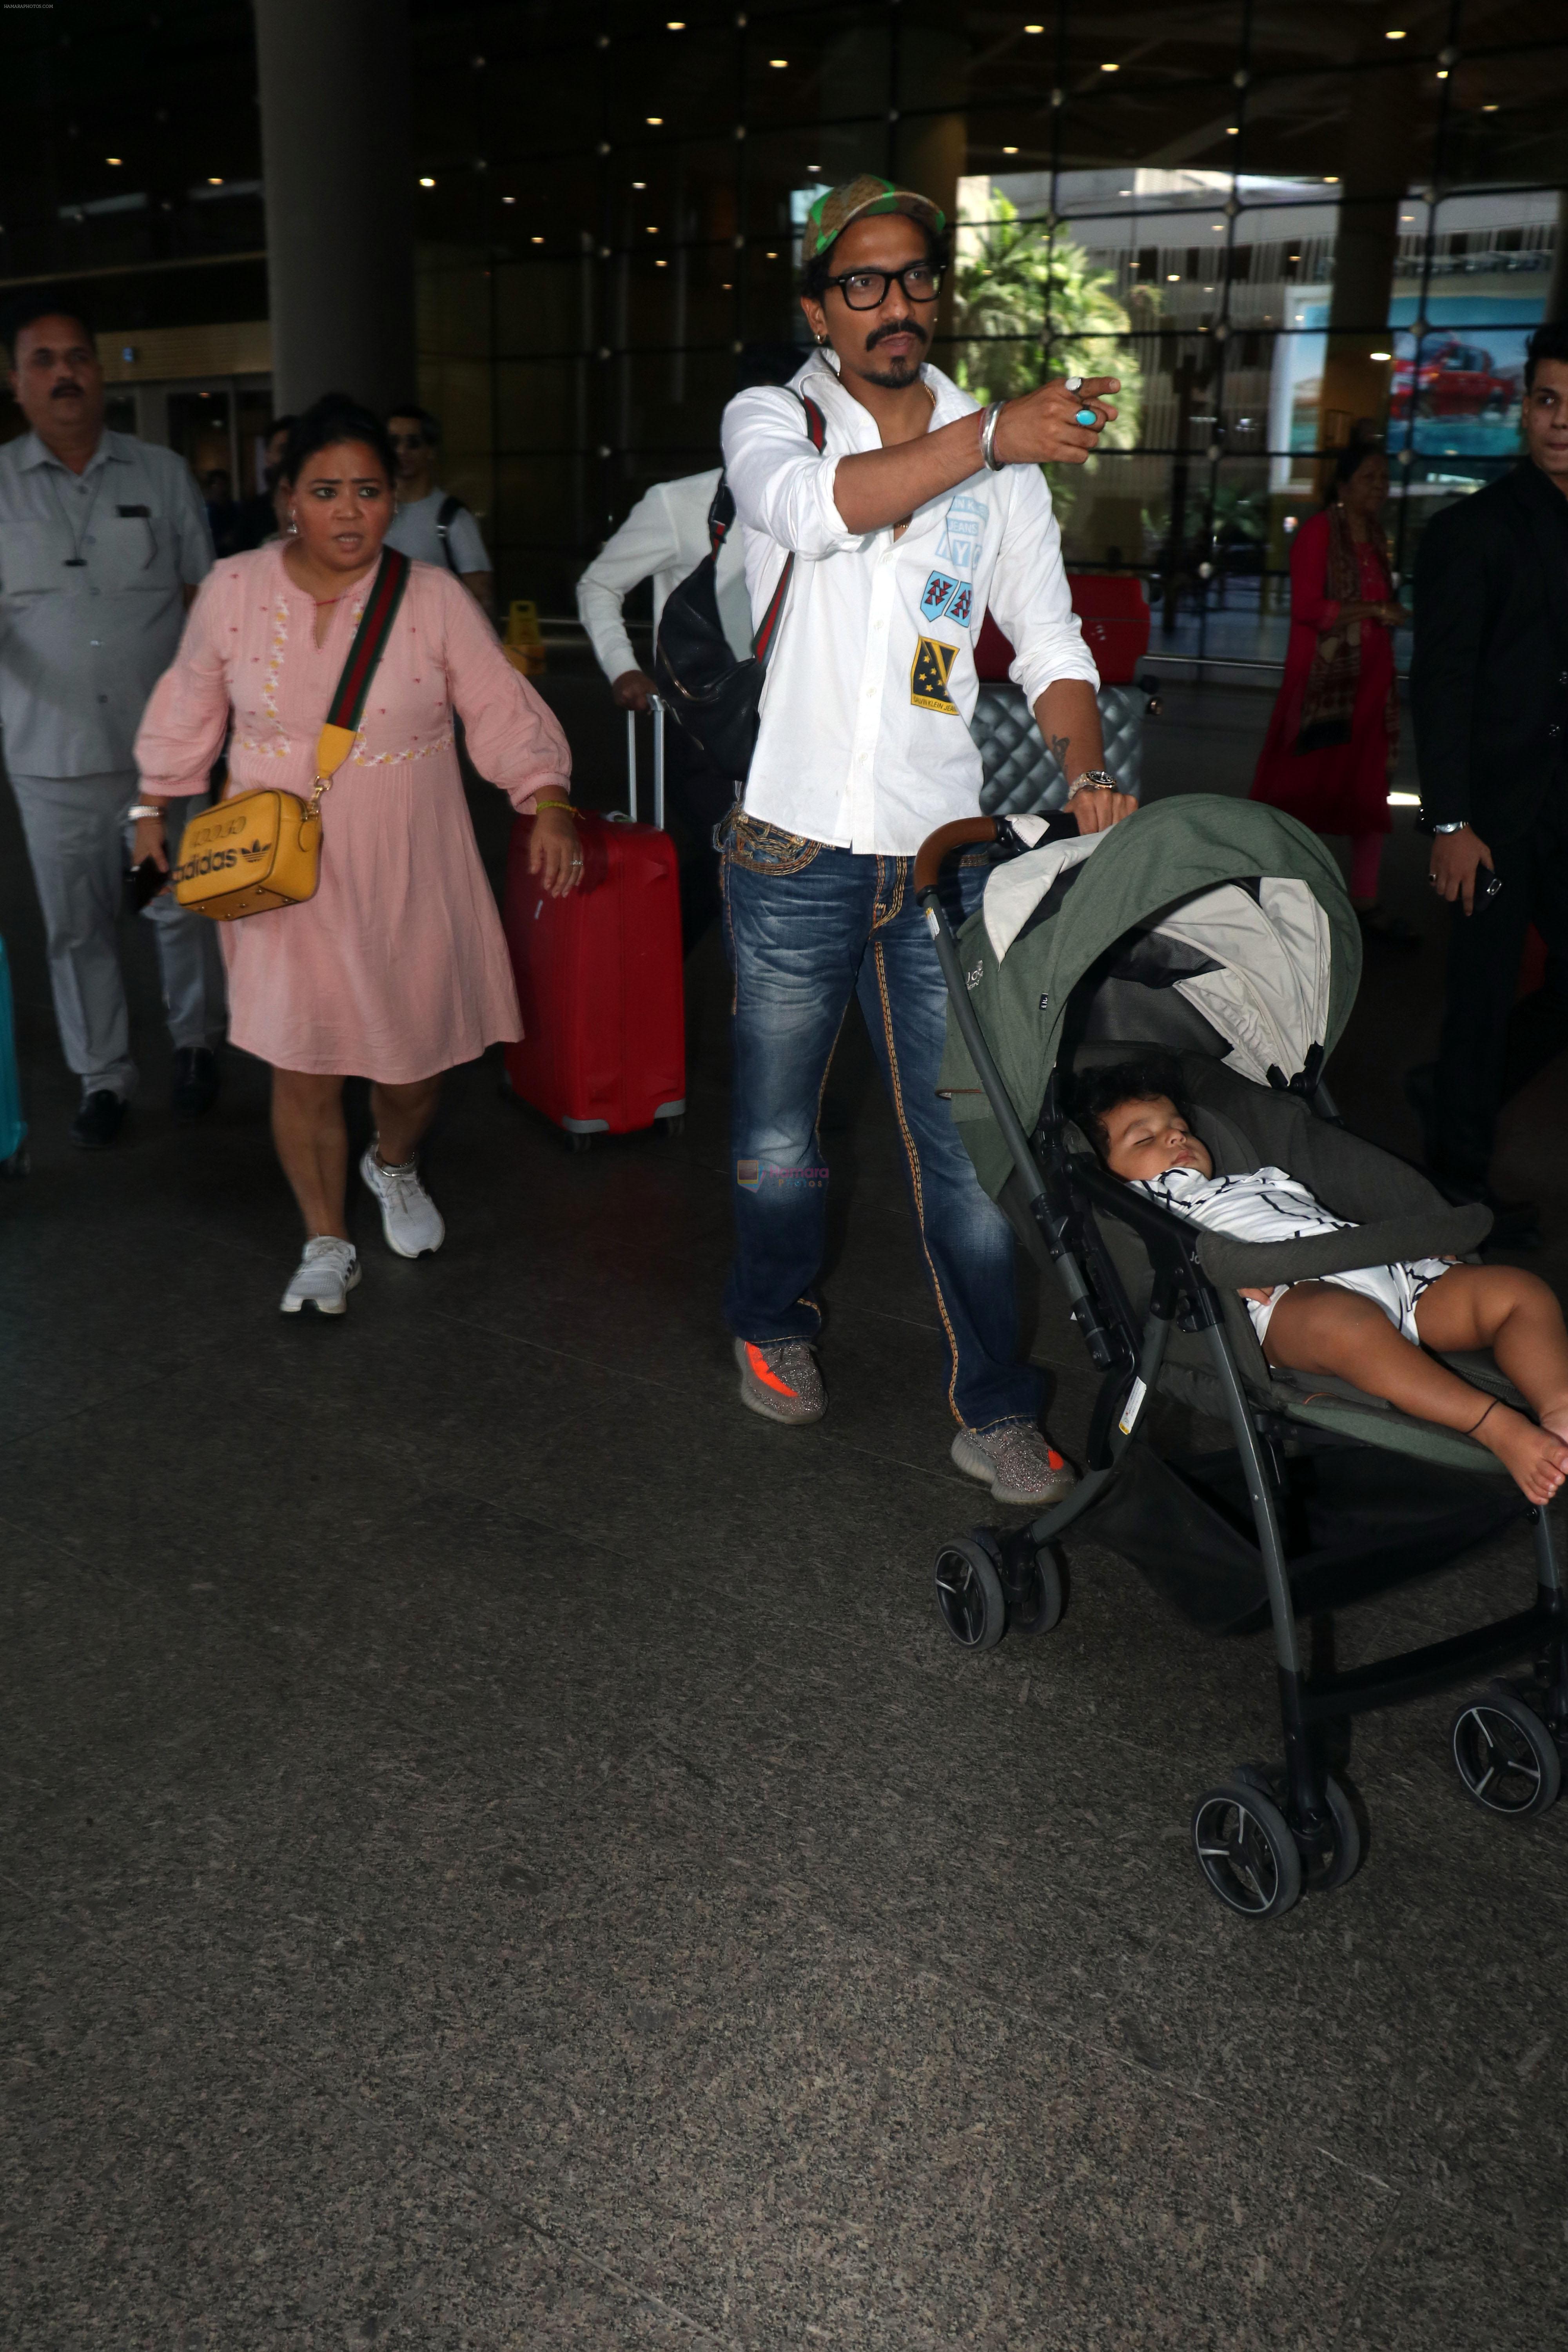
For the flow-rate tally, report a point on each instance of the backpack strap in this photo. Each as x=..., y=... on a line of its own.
x=761, y=644
x=445, y=516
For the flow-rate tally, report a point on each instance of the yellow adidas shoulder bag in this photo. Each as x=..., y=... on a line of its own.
x=263, y=849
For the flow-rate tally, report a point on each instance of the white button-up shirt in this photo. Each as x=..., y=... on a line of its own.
x=664, y=538
x=871, y=683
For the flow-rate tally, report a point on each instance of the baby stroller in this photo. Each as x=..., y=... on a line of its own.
x=1219, y=933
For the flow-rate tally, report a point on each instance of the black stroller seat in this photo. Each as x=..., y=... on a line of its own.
x=1219, y=933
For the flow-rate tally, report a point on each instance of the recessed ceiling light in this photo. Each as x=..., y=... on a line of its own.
x=1172, y=277
x=1442, y=76
x=1009, y=151
x=1034, y=28
x=676, y=25
x=427, y=183
x=661, y=264
x=778, y=64
x=1380, y=355
x=114, y=159
x=1491, y=107
x=640, y=183
x=1110, y=68
x=536, y=240
x=652, y=230
x=509, y=200
x=654, y=122
x=213, y=182
x=1331, y=179
x=1233, y=130
x=773, y=256
x=1393, y=34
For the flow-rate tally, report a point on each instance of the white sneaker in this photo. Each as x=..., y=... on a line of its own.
x=323, y=1277
x=409, y=1217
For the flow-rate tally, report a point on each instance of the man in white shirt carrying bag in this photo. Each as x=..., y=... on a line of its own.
x=919, y=512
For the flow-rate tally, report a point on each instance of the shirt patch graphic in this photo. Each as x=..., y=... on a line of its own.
x=929, y=674
x=961, y=606
x=937, y=595
x=965, y=528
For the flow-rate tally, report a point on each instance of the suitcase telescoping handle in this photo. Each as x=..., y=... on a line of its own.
x=655, y=705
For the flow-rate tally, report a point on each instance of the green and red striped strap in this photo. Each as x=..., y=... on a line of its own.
x=370, y=640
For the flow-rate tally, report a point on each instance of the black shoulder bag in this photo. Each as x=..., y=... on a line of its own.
x=446, y=515
x=713, y=695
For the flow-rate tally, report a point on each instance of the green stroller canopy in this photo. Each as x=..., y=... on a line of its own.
x=1236, y=909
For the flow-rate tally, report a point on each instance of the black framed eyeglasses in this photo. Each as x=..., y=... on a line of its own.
x=867, y=289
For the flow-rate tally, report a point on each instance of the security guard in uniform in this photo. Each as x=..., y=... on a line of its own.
x=103, y=541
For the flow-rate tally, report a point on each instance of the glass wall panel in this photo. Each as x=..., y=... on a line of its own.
x=1275, y=226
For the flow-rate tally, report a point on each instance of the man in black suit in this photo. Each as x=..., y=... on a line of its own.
x=1488, y=692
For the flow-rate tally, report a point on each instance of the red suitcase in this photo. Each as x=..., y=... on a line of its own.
x=599, y=982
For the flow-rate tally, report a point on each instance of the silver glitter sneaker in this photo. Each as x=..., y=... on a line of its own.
x=780, y=1380
x=1015, y=1461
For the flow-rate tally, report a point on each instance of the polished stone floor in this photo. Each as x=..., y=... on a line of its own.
x=499, y=1851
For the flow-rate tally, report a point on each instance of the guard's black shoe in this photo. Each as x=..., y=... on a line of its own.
x=196, y=1080
x=98, y=1122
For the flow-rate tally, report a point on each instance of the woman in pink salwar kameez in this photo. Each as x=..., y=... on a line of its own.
x=397, y=967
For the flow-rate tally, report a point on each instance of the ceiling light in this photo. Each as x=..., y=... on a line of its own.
x=661, y=264
x=654, y=122
x=773, y=256
x=1442, y=73
x=1394, y=36
x=509, y=200
x=1110, y=68
x=536, y=240
x=1009, y=151
x=676, y=25
x=1403, y=799
x=651, y=229
x=1491, y=107
x=1380, y=355
x=427, y=183
x=1172, y=277
x=114, y=159
x=640, y=183
x=1233, y=130
x=1331, y=179
x=1124, y=192
x=1218, y=228
x=778, y=64
x=1034, y=28
x=214, y=183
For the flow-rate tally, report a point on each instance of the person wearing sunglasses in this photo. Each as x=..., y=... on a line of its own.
x=914, y=514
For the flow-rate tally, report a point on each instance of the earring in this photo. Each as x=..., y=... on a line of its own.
x=820, y=340
x=293, y=524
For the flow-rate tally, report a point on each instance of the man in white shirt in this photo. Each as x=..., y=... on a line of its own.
x=917, y=514
x=664, y=539
x=430, y=524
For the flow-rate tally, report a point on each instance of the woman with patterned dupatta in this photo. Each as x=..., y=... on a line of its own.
x=1334, y=739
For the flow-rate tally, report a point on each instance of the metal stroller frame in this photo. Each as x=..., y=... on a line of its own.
x=1262, y=1836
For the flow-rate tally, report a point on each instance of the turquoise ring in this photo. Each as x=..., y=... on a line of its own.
x=1085, y=416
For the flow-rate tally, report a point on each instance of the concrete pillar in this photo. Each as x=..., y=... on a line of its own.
x=339, y=168
x=1378, y=154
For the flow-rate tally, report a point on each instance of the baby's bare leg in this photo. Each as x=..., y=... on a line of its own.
x=1517, y=1317
x=1319, y=1327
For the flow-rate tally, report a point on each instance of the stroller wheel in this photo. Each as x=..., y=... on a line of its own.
x=1508, y=1759
x=1245, y=1851
x=1045, y=1595
x=969, y=1594
x=1323, y=1873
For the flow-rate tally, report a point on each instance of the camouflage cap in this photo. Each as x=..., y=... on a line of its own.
x=834, y=210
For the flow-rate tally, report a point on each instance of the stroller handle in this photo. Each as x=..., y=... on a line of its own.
x=965, y=832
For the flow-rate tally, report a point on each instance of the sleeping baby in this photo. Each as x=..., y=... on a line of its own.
x=1371, y=1327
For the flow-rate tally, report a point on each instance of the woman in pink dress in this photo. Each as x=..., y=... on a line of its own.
x=397, y=967
x=1334, y=735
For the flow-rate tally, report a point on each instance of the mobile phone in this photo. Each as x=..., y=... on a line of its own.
x=143, y=883
x=1487, y=885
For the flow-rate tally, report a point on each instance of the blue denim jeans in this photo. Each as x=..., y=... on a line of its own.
x=807, y=927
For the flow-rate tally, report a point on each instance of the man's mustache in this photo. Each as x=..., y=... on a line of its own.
x=59, y=391
x=896, y=327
